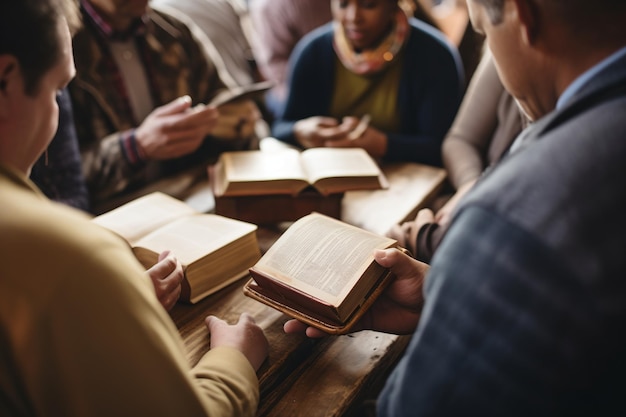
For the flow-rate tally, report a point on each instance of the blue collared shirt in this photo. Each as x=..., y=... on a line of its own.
x=588, y=75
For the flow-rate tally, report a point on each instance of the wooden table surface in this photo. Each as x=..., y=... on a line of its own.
x=326, y=377
x=301, y=377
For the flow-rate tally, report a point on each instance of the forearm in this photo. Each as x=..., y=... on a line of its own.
x=463, y=161
x=428, y=238
x=224, y=376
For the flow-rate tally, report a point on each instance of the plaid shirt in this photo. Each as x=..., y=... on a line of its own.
x=176, y=65
x=107, y=34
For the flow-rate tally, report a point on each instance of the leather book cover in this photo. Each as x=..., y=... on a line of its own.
x=308, y=311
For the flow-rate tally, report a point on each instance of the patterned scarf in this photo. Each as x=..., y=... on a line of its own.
x=372, y=60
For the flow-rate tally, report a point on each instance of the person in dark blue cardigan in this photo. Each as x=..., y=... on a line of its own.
x=373, y=60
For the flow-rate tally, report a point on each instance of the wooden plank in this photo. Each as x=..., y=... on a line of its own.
x=343, y=373
x=411, y=187
x=325, y=377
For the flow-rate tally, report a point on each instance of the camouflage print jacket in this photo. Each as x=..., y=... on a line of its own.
x=179, y=66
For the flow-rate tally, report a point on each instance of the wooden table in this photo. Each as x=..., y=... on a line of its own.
x=327, y=377
x=411, y=187
x=302, y=377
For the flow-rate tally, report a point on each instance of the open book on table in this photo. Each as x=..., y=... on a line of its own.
x=214, y=250
x=321, y=271
x=290, y=171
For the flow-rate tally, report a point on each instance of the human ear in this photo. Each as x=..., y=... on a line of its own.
x=529, y=19
x=8, y=73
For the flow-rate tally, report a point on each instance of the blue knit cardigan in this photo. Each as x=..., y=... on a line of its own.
x=431, y=88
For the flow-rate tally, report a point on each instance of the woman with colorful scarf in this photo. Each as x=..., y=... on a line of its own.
x=373, y=62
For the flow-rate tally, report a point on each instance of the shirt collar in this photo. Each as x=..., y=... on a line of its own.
x=138, y=27
x=587, y=76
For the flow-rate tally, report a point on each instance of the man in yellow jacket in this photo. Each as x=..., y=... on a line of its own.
x=81, y=331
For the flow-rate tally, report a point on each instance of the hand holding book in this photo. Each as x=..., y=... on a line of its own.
x=213, y=250
x=322, y=272
x=167, y=276
x=397, y=310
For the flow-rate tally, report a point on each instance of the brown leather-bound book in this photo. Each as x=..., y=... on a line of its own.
x=214, y=250
x=321, y=271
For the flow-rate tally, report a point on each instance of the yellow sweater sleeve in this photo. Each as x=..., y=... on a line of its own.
x=85, y=334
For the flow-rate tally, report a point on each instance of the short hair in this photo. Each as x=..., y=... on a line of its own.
x=29, y=31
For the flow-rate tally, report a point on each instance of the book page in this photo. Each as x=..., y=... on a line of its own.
x=143, y=215
x=322, y=256
x=262, y=166
x=338, y=162
x=192, y=237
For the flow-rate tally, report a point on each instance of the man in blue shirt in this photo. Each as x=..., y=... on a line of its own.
x=524, y=304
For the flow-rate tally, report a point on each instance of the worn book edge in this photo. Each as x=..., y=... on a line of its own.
x=278, y=302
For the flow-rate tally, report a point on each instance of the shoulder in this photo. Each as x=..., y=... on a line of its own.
x=46, y=239
x=566, y=187
x=165, y=20
x=167, y=27
x=316, y=40
x=428, y=49
x=424, y=35
x=315, y=46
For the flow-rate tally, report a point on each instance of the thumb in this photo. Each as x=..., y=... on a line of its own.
x=163, y=255
x=399, y=263
x=327, y=121
x=175, y=106
x=212, y=321
x=425, y=216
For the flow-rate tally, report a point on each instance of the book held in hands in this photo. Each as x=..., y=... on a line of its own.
x=214, y=250
x=243, y=92
x=321, y=271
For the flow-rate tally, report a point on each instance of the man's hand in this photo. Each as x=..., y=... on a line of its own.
x=237, y=120
x=444, y=215
x=245, y=336
x=175, y=129
x=406, y=233
x=398, y=309
x=167, y=275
